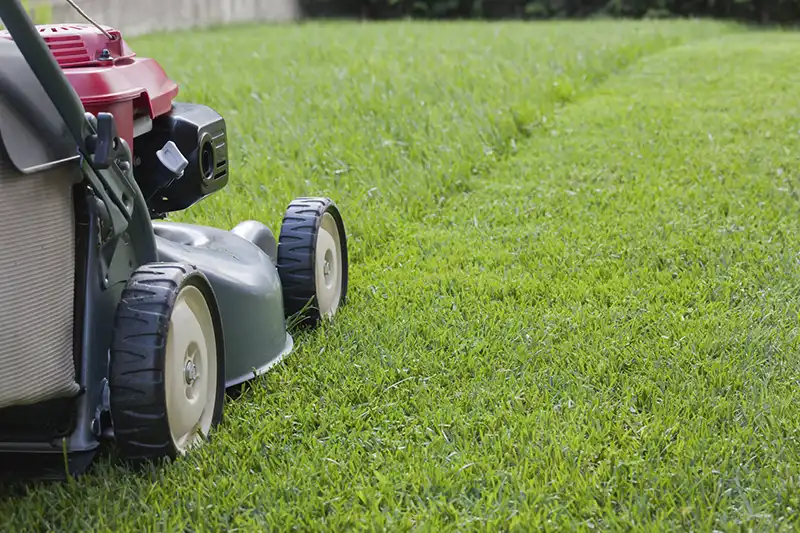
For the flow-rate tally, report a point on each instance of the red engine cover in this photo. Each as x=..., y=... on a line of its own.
x=108, y=76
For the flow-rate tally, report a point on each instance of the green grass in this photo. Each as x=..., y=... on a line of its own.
x=575, y=268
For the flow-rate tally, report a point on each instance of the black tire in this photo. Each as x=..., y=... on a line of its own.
x=138, y=356
x=297, y=249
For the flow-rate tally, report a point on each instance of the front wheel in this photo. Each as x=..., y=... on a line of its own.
x=167, y=375
x=312, y=260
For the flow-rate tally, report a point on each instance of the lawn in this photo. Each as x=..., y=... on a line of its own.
x=575, y=268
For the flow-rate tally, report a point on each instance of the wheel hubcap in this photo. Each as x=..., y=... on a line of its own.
x=328, y=266
x=190, y=371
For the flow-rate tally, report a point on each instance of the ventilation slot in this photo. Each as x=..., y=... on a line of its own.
x=222, y=169
x=68, y=49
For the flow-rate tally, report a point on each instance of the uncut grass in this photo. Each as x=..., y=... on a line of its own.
x=588, y=328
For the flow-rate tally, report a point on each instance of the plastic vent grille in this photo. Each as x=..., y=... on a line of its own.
x=219, y=141
x=66, y=44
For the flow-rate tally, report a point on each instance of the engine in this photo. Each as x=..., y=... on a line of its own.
x=199, y=135
x=180, y=151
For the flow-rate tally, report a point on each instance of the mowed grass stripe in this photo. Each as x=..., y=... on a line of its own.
x=647, y=247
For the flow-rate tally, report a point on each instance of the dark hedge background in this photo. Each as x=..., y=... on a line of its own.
x=761, y=11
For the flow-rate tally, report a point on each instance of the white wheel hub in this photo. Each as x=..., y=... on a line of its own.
x=328, y=266
x=190, y=370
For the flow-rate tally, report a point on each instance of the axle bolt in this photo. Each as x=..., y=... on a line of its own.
x=190, y=373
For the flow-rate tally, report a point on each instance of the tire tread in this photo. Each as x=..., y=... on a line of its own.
x=296, y=261
x=136, y=377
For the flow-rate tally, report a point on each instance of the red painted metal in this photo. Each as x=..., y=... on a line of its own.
x=107, y=74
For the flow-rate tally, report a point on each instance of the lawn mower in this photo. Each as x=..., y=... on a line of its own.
x=115, y=324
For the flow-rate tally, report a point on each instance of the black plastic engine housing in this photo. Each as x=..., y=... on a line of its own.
x=200, y=134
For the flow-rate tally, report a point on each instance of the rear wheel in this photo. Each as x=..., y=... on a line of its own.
x=312, y=260
x=167, y=376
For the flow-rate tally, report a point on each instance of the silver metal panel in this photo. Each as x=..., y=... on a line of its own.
x=34, y=135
